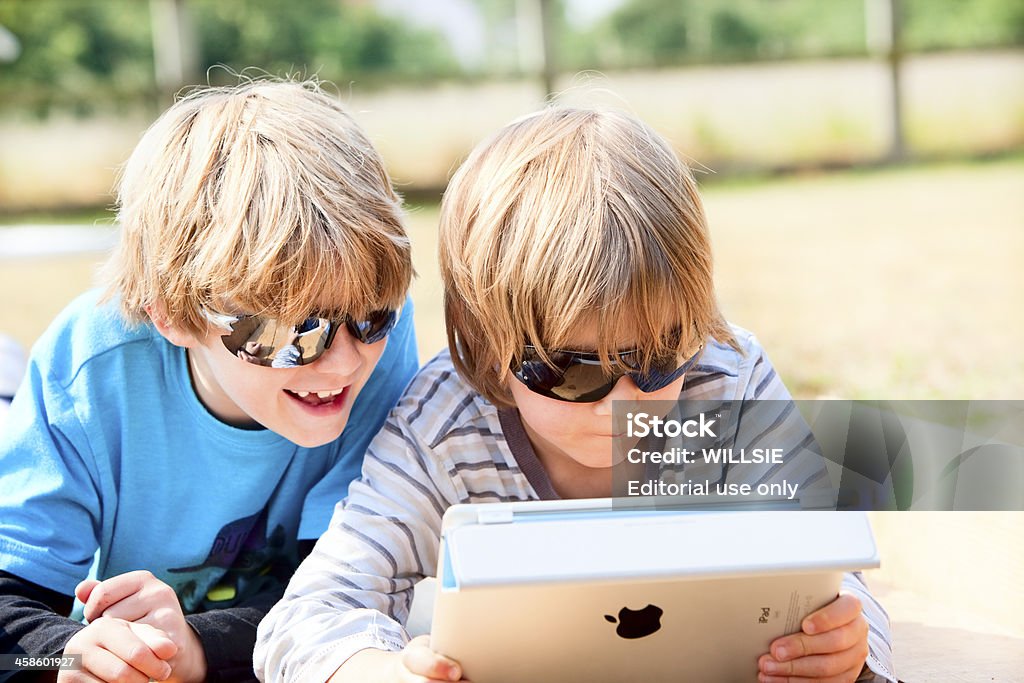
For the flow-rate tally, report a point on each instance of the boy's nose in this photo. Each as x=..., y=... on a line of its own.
x=342, y=357
x=624, y=390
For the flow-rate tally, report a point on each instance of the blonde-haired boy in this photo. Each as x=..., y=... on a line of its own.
x=577, y=271
x=157, y=428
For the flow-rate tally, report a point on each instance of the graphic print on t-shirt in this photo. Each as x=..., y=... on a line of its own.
x=239, y=563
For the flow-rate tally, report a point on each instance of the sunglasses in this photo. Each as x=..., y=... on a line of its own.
x=271, y=343
x=577, y=377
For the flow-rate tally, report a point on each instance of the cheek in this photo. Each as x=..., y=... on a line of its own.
x=550, y=420
x=245, y=383
x=546, y=416
x=371, y=354
x=253, y=387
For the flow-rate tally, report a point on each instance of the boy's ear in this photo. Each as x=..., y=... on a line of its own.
x=158, y=315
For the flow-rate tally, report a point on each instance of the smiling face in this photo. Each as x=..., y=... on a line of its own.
x=308, y=405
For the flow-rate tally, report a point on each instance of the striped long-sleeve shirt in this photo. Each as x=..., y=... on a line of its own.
x=445, y=444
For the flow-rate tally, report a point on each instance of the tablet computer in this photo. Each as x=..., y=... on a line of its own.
x=585, y=590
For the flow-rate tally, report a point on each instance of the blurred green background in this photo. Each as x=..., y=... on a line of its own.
x=862, y=161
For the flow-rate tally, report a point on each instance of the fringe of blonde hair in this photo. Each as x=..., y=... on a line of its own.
x=264, y=198
x=572, y=217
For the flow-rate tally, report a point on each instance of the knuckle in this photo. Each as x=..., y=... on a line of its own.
x=167, y=593
x=137, y=655
x=99, y=594
x=855, y=635
x=843, y=637
x=818, y=668
x=161, y=616
x=120, y=671
x=98, y=624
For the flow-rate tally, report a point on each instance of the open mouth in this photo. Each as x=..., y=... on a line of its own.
x=318, y=398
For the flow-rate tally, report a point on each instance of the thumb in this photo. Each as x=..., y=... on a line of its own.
x=84, y=589
x=157, y=640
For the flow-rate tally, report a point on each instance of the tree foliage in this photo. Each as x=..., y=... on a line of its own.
x=69, y=50
x=80, y=53
x=957, y=24
x=660, y=32
x=88, y=53
x=324, y=36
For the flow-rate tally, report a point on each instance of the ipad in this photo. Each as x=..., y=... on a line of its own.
x=586, y=591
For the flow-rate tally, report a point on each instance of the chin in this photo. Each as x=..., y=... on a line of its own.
x=308, y=440
x=590, y=462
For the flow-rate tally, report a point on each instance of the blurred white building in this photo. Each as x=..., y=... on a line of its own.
x=10, y=48
x=475, y=38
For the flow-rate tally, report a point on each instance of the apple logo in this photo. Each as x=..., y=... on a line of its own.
x=637, y=623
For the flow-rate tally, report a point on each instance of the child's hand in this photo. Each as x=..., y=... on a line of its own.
x=117, y=650
x=417, y=663
x=419, y=660
x=831, y=648
x=141, y=598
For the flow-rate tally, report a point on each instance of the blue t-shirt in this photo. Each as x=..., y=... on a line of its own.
x=108, y=448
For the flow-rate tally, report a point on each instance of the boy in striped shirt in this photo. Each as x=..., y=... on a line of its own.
x=567, y=238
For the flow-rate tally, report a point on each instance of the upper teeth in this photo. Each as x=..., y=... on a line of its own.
x=321, y=394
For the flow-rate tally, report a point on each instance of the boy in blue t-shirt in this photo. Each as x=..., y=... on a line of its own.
x=155, y=446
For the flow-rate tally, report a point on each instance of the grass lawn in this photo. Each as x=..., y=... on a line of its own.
x=903, y=283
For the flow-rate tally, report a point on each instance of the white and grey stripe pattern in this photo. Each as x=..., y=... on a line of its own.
x=445, y=444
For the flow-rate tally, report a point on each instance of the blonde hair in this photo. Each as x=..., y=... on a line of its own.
x=572, y=217
x=265, y=197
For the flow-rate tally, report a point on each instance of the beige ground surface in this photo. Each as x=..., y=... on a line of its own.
x=936, y=644
x=951, y=582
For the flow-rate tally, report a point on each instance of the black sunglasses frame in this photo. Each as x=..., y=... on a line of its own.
x=529, y=368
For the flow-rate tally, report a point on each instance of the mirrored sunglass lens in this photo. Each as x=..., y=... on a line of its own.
x=538, y=375
x=377, y=326
x=586, y=386
x=576, y=378
x=268, y=343
x=308, y=325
